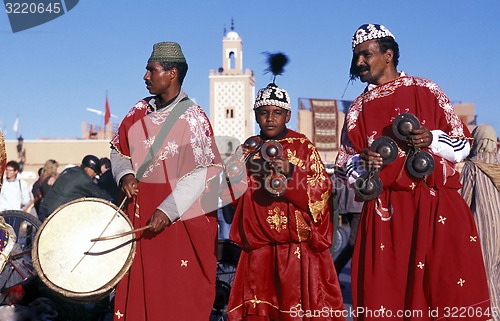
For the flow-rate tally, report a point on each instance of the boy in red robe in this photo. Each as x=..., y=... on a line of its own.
x=285, y=271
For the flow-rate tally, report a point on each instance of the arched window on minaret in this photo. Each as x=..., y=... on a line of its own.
x=232, y=60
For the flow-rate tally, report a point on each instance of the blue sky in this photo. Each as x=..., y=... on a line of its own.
x=50, y=74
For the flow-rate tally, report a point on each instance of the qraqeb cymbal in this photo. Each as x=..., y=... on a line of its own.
x=420, y=164
x=276, y=184
x=235, y=164
x=403, y=124
x=271, y=149
x=386, y=147
x=368, y=186
x=253, y=143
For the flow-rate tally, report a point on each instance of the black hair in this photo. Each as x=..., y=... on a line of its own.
x=389, y=43
x=182, y=68
x=13, y=164
x=384, y=44
x=106, y=162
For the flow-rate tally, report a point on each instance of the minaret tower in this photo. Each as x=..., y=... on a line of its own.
x=232, y=94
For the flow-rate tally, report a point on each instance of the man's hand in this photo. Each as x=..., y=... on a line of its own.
x=159, y=221
x=420, y=138
x=370, y=159
x=129, y=186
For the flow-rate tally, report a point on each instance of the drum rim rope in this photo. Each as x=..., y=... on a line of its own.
x=91, y=296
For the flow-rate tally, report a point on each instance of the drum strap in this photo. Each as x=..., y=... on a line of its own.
x=174, y=114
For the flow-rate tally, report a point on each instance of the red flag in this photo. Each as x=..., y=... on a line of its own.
x=107, y=113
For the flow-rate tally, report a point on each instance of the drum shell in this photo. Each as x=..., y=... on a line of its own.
x=64, y=237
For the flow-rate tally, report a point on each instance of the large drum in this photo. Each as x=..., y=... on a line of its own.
x=69, y=263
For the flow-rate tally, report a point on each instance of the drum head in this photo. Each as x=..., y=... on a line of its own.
x=403, y=124
x=69, y=263
x=386, y=147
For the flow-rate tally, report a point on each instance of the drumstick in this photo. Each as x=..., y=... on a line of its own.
x=112, y=237
x=112, y=218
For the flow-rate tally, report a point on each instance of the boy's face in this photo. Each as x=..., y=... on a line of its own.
x=272, y=120
x=10, y=173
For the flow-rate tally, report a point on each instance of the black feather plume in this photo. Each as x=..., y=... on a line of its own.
x=276, y=62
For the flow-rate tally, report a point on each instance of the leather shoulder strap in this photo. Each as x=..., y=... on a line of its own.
x=176, y=112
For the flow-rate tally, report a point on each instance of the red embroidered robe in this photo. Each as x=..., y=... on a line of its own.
x=417, y=248
x=286, y=271
x=173, y=273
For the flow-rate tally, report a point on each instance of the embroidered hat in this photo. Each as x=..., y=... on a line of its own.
x=167, y=52
x=370, y=32
x=272, y=95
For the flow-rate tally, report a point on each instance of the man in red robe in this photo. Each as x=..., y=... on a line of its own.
x=417, y=255
x=166, y=162
x=285, y=271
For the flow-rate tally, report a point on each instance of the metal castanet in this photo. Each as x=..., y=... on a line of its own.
x=253, y=144
x=419, y=163
x=235, y=164
x=386, y=147
x=275, y=182
x=271, y=150
x=369, y=186
x=403, y=124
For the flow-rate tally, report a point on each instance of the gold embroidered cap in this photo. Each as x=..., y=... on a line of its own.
x=167, y=52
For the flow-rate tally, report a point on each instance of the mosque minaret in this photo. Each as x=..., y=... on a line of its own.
x=232, y=93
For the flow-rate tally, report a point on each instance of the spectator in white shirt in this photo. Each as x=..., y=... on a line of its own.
x=15, y=193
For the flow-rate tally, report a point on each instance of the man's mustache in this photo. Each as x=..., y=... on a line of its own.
x=361, y=69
